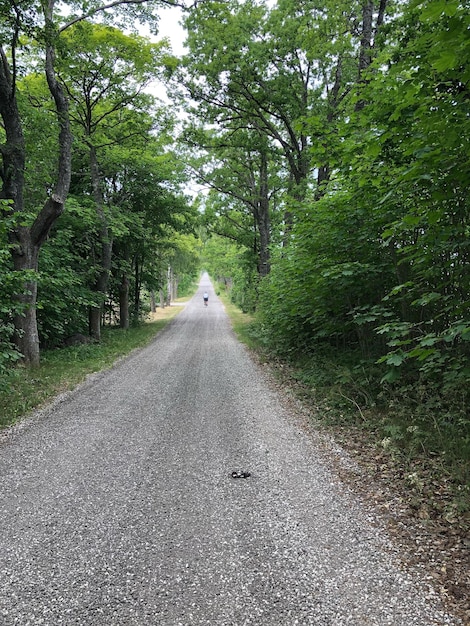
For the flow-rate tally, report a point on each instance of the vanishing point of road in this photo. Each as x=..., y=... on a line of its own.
x=128, y=502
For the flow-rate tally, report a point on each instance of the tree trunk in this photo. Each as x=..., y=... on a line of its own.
x=368, y=40
x=137, y=281
x=25, y=258
x=13, y=150
x=366, y=37
x=169, y=285
x=106, y=244
x=264, y=219
x=324, y=171
x=124, y=303
x=26, y=242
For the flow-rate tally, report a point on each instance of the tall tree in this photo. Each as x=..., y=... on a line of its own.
x=43, y=24
x=147, y=187
x=26, y=238
x=241, y=166
x=420, y=111
x=238, y=77
x=105, y=72
x=383, y=257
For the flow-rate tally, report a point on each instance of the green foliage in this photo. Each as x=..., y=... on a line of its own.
x=41, y=137
x=63, y=369
x=335, y=262
x=244, y=290
x=422, y=126
x=242, y=323
x=65, y=270
x=10, y=283
x=219, y=257
x=97, y=79
x=232, y=267
x=185, y=261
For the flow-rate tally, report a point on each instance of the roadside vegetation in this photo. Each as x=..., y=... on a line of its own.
x=420, y=485
x=431, y=466
x=62, y=369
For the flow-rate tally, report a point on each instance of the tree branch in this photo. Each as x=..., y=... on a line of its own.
x=54, y=205
x=116, y=3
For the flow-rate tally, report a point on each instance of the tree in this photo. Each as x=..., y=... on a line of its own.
x=239, y=80
x=420, y=110
x=147, y=188
x=281, y=79
x=105, y=73
x=380, y=261
x=27, y=237
x=242, y=168
x=64, y=269
x=42, y=25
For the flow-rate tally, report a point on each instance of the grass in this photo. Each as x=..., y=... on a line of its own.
x=63, y=369
x=241, y=322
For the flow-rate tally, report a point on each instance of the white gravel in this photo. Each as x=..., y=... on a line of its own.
x=117, y=504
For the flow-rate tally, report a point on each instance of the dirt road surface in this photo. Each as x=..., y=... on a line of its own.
x=128, y=503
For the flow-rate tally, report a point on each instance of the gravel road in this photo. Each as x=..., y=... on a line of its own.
x=118, y=505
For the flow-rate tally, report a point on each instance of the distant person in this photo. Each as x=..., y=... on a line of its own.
x=206, y=298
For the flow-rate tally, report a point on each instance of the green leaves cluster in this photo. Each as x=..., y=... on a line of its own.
x=10, y=280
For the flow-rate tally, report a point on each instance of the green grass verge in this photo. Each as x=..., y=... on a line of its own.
x=63, y=369
x=242, y=323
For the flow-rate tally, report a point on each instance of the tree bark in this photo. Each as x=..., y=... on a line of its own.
x=366, y=36
x=264, y=219
x=27, y=241
x=13, y=150
x=169, y=278
x=124, y=303
x=137, y=284
x=324, y=171
x=106, y=248
x=25, y=258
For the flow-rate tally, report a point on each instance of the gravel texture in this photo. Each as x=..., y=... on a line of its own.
x=128, y=502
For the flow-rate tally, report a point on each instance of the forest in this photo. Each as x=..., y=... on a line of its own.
x=330, y=144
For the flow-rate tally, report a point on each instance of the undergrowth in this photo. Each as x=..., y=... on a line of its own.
x=410, y=433
x=241, y=322
x=421, y=436
x=24, y=390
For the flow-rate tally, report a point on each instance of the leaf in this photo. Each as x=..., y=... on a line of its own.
x=387, y=196
x=422, y=353
x=466, y=334
x=394, y=358
x=456, y=330
x=429, y=340
x=391, y=376
x=433, y=11
x=447, y=60
x=427, y=298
